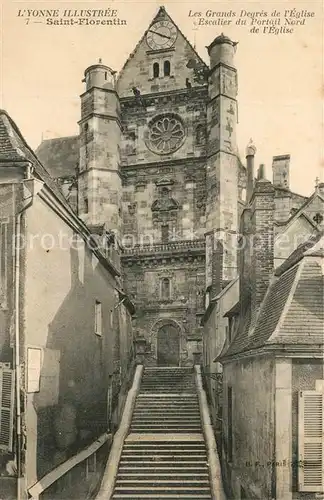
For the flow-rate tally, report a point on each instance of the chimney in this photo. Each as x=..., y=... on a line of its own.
x=262, y=240
x=261, y=172
x=250, y=153
x=280, y=171
x=244, y=260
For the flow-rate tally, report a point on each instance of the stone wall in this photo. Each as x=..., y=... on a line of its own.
x=252, y=382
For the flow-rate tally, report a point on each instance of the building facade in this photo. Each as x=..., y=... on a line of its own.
x=66, y=341
x=158, y=164
x=268, y=348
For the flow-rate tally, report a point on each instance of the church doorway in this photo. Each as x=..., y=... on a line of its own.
x=168, y=345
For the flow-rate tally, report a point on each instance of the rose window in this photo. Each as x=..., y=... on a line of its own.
x=165, y=134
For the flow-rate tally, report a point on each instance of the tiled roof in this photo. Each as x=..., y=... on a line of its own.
x=292, y=311
x=298, y=254
x=304, y=319
x=60, y=156
x=15, y=147
x=8, y=145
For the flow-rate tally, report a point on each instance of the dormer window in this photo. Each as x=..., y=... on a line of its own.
x=167, y=68
x=156, y=70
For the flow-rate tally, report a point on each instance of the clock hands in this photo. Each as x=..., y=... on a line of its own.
x=160, y=34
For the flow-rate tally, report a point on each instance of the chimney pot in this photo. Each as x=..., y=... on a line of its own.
x=261, y=172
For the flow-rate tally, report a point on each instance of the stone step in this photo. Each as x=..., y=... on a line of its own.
x=164, y=489
x=137, y=445
x=162, y=453
x=151, y=496
x=164, y=475
x=182, y=460
x=166, y=416
x=175, y=468
x=162, y=430
x=176, y=483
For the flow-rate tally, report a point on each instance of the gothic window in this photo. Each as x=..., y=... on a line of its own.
x=156, y=70
x=165, y=233
x=165, y=289
x=165, y=134
x=167, y=68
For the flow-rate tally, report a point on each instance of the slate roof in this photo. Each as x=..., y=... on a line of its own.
x=60, y=156
x=292, y=311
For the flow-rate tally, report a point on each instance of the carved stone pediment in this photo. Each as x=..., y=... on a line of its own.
x=164, y=181
x=165, y=204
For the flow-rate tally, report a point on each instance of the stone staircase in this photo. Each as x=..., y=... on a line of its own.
x=164, y=455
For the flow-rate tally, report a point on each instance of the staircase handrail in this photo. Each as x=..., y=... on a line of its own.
x=109, y=477
x=215, y=474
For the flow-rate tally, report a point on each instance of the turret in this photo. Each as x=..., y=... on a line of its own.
x=99, y=75
x=222, y=166
x=221, y=50
x=99, y=182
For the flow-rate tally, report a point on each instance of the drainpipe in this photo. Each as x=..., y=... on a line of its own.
x=19, y=215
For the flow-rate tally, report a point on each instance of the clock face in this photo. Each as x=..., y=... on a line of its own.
x=161, y=35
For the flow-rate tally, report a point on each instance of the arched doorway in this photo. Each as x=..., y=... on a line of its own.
x=168, y=345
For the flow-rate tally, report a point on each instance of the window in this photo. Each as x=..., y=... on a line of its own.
x=227, y=332
x=98, y=318
x=310, y=441
x=167, y=68
x=6, y=408
x=165, y=233
x=156, y=70
x=86, y=205
x=165, y=289
x=230, y=423
x=105, y=75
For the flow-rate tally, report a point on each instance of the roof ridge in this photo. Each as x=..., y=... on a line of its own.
x=59, y=138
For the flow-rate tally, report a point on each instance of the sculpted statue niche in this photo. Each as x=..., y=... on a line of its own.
x=165, y=202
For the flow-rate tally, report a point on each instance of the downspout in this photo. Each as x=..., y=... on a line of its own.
x=17, y=332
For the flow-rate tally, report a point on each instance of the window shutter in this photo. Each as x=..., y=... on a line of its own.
x=7, y=388
x=311, y=441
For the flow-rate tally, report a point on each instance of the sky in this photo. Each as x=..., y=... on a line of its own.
x=280, y=76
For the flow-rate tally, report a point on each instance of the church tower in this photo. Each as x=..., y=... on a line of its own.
x=221, y=167
x=99, y=180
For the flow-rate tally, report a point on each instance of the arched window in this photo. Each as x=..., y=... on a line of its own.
x=165, y=289
x=156, y=70
x=167, y=68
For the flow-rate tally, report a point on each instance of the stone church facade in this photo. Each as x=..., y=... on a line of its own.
x=155, y=167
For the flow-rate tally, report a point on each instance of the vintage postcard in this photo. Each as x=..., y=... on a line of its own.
x=161, y=250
